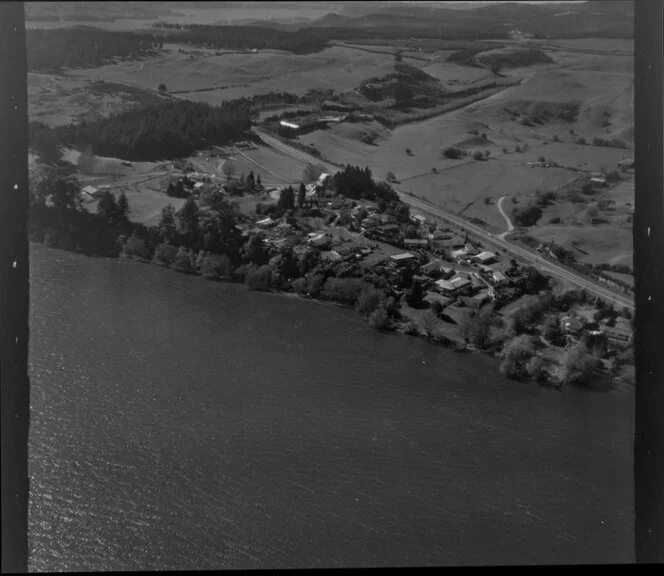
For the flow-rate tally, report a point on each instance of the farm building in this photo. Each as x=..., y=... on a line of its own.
x=289, y=125
x=453, y=287
x=419, y=219
x=485, y=258
x=90, y=191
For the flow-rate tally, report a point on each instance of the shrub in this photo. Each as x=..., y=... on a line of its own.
x=315, y=283
x=135, y=246
x=216, y=265
x=165, y=254
x=343, y=290
x=579, y=367
x=299, y=285
x=526, y=216
x=259, y=278
x=410, y=328
x=436, y=307
x=452, y=153
x=556, y=138
x=379, y=319
x=516, y=355
x=535, y=369
x=409, y=152
x=505, y=150
x=541, y=159
x=183, y=261
x=368, y=301
x=477, y=155
x=581, y=140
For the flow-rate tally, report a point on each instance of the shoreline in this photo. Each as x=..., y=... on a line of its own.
x=397, y=326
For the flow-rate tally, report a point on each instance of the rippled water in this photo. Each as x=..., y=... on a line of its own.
x=184, y=424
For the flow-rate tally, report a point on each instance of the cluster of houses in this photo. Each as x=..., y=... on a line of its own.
x=447, y=281
x=573, y=326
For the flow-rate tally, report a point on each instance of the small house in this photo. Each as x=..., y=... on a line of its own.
x=434, y=268
x=453, y=287
x=266, y=223
x=415, y=243
x=403, y=259
x=485, y=258
x=320, y=241
x=571, y=325
x=598, y=181
x=90, y=191
x=388, y=231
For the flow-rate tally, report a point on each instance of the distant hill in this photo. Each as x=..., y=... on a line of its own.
x=599, y=18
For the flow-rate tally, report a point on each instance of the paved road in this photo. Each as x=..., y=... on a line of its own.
x=428, y=208
x=293, y=152
x=509, y=222
x=536, y=259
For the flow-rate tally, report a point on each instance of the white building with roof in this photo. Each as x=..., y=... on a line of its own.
x=485, y=257
x=453, y=287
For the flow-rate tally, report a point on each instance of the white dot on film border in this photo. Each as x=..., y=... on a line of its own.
x=14, y=264
x=15, y=186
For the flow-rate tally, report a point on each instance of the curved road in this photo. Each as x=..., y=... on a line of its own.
x=509, y=222
x=433, y=210
x=539, y=261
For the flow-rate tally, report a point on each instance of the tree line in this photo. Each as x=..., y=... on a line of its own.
x=80, y=47
x=161, y=131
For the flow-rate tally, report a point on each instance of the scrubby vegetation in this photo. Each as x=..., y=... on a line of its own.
x=527, y=215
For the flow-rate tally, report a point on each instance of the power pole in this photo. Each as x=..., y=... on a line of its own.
x=14, y=297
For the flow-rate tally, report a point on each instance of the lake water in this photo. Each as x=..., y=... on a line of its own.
x=184, y=424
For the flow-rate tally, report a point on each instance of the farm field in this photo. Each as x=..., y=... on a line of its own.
x=629, y=278
x=455, y=189
x=233, y=75
x=602, y=243
x=274, y=168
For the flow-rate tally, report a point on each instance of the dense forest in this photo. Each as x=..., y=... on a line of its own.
x=159, y=132
x=81, y=46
